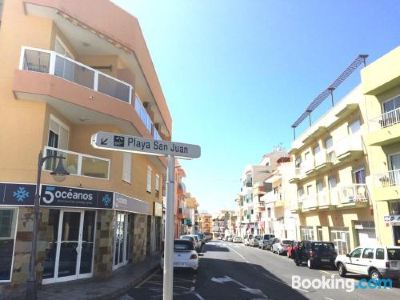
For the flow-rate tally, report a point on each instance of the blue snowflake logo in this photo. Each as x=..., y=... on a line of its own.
x=21, y=194
x=106, y=200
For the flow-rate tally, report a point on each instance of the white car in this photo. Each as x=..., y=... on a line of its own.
x=375, y=261
x=281, y=246
x=197, y=241
x=184, y=255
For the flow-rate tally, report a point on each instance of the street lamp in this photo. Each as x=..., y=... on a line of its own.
x=59, y=174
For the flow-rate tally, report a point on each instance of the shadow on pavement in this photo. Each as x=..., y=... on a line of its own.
x=212, y=247
x=227, y=279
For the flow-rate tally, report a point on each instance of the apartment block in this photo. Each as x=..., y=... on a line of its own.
x=380, y=82
x=332, y=175
x=205, y=222
x=71, y=69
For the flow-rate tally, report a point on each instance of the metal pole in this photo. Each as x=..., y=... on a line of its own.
x=31, y=289
x=168, y=280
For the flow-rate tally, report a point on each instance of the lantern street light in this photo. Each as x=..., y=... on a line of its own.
x=58, y=174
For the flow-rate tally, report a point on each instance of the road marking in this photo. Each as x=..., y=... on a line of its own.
x=326, y=272
x=327, y=298
x=244, y=258
x=305, y=291
x=243, y=287
x=147, y=278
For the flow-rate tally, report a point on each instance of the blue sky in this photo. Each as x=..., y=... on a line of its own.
x=237, y=73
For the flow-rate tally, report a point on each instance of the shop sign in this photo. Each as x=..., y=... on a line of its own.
x=158, y=209
x=74, y=197
x=17, y=194
x=129, y=204
x=392, y=219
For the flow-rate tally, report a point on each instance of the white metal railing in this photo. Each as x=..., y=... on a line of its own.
x=156, y=135
x=354, y=193
x=389, y=178
x=79, y=164
x=386, y=119
x=350, y=143
x=309, y=201
x=47, y=61
x=143, y=115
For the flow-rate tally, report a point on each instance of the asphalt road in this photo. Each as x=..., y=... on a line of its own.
x=234, y=271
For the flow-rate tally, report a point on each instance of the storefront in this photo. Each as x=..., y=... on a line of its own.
x=393, y=220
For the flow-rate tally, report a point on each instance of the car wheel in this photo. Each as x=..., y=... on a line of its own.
x=310, y=264
x=297, y=262
x=342, y=270
x=374, y=274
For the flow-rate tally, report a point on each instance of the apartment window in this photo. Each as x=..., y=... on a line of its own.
x=8, y=218
x=297, y=162
x=359, y=176
x=307, y=155
x=329, y=144
x=307, y=233
x=391, y=104
x=332, y=182
x=309, y=190
x=127, y=167
x=354, y=127
x=320, y=187
x=148, y=186
x=58, y=134
x=316, y=150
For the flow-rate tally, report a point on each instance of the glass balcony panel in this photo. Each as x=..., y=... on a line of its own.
x=70, y=162
x=94, y=167
x=36, y=61
x=113, y=88
x=74, y=72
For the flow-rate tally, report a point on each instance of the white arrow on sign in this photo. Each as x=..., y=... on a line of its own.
x=135, y=144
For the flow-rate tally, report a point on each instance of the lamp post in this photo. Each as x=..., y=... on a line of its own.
x=59, y=174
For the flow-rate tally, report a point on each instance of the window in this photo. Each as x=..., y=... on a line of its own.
x=309, y=190
x=368, y=253
x=316, y=149
x=157, y=183
x=307, y=233
x=329, y=144
x=127, y=167
x=307, y=155
x=7, y=236
x=380, y=253
x=391, y=104
x=359, y=176
x=58, y=134
x=354, y=127
x=356, y=253
x=148, y=186
x=298, y=162
x=341, y=240
x=320, y=187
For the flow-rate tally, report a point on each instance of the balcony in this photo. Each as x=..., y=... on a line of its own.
x=387, y=185
x=355, y=194
x=271, y=197
x=295, y=207
x=297, y=175
x=385, y=129
x=309, y=202
x=50, y=62
x=324, y=200
x=324, y=160
x=349, y=147
x=79, y=164
x=309, y=166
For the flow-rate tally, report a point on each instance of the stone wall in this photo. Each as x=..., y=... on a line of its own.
x=103, y=253
x=139, y=237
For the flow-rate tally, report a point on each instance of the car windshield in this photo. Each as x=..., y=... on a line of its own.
x=186, y=237
x=323, y=247
x=183, y=246
x=287, y=242
x=393, y=254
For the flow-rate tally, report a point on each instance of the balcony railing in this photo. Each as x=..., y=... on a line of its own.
x=309, y=201
x=324, y=157
x=308, y=165
x=387, y=119
x=272, y=197
x=323, y=198
x=143, y=115
x=349, y=144
x=390, y=178
x=354, y=193
x=79, y=164
x=50, y=62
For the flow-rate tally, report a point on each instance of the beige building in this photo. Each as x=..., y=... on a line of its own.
x=67, y=75
x=332, y=177
x=205, y=222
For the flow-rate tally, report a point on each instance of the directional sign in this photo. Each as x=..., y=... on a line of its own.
x=135, y=144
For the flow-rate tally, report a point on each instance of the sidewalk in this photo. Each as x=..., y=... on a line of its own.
x=117, y=285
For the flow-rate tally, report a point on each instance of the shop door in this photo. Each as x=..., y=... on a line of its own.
x=74, y=247
x=120, y=240
x=396, y=235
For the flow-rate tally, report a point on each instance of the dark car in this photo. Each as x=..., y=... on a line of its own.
x=315, y=254
x=262, y=243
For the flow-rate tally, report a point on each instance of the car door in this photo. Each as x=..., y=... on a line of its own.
x=366, y=260
x=353, y=260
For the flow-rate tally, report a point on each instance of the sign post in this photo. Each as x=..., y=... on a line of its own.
x=135, y=144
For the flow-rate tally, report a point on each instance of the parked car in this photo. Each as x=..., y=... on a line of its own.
x=247, y=239
x=208, y=236
x=253, y=242
x=315, y=254
x=202, y=238
x=270, y=242
x=189, y=238
x=376, y=262
x=230, y=239
x=281, y=246
x=262, y=243
x=237, y=239
x=198, y=242
x=291, y=249
x=185, y=255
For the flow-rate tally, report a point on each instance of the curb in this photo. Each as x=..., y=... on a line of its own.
x=121, y=291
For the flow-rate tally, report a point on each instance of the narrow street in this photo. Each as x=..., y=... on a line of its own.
x=234, y=271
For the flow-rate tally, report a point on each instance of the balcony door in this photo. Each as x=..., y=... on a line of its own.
x=394, y=164
x=58, y=138
x=70, y=254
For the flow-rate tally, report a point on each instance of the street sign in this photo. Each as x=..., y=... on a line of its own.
x=135, y=144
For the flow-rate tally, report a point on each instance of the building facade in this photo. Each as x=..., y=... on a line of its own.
x=332, y=175
x=205, y=222
x=380, y=82
x=67, y=76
